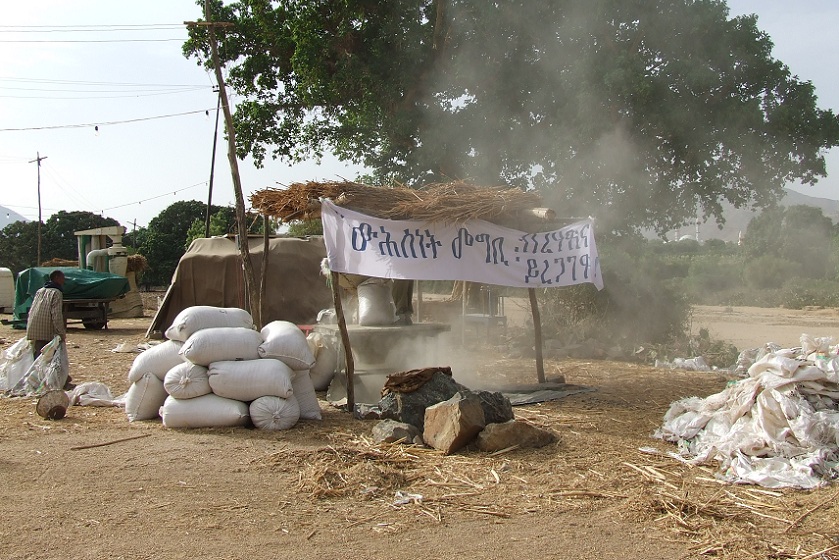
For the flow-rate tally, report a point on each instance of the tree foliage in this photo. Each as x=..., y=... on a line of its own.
x=60, y=230
x=640, y=113
x=800, y=236
x=163, y=240
x=19, y=240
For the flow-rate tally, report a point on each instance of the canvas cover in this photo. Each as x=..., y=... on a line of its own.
x=210, y=273
x=79, y=284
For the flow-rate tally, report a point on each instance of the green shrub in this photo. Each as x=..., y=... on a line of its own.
x=769, y=271
x=801, y=292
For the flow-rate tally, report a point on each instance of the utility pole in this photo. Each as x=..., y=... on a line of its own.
x=250, y=283
x=212, y=168
x=38, y=158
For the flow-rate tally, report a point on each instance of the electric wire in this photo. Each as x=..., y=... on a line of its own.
x=107, y=123
x=175, y=192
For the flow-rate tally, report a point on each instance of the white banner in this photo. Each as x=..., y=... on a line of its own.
x=477, y=251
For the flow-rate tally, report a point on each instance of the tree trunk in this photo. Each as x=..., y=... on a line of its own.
x=247, y=265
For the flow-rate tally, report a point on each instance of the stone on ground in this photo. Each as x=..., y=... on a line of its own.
x=452, y=424
x=496, y=437
x=390, y=431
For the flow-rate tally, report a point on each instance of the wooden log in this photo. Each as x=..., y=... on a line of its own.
x=537, y=330
x=345, y=342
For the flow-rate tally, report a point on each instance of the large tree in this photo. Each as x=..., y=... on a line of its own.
x=60, y=231
x=19, y=240
x=640, y=112
x=163, y=240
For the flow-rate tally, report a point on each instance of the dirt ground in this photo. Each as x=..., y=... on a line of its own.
x=323, y=490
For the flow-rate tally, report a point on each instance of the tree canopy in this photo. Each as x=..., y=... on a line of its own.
x=639, y=112
x=19, y=240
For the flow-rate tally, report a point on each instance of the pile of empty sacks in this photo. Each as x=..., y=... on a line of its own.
x=216, y=370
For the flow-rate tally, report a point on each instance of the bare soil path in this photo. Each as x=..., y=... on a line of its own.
x=322, y=490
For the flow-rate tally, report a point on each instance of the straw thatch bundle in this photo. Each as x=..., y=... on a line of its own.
x=443, y=202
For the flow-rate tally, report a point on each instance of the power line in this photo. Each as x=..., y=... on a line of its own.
x=68, y=97
x=171, y=89
x=89, y=40
x=154, y=197
x=86, y=29
x=92, y=26
x=95, y=124
x=92, y=83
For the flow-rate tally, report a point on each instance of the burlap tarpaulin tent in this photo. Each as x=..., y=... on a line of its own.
x=450, y=203
x=210, y=273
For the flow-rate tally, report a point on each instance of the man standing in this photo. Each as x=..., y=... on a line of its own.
x=46, y=316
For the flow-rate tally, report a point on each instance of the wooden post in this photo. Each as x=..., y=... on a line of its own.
x=419, y=301
x=345, y=342
x=262, y=281
x=39, y=159
x=537, y=329
x=247, y=264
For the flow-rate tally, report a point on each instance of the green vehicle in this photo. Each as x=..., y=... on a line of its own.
x=87, y=294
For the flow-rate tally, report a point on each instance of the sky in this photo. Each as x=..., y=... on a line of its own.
x=71, y=66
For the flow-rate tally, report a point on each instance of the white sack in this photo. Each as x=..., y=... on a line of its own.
x=326, y=361
x=48, y=372
x=93, y=393
x=157, y=360
x=274, y=413
x=144, y=398
x=249, y=380
x=206, y=411
x=14, y=363
x=304, y=392
x=187, y=381
x=778, y=427
x=221, y=344
x=284, y=341
x=198, y=317
x=375, y=302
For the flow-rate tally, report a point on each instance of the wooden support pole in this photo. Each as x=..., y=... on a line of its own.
x=250, y=282
x=345, y=342
x=537, y=329
x=263, y=280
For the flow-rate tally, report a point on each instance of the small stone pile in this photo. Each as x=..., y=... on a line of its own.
x=216, y=370
x=429, y=407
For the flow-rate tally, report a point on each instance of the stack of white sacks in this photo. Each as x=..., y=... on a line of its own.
x=216, y=370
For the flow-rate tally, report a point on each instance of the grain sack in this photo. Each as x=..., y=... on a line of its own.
x=187, y=381
x=284, y=341
x=198, y=317
x=144, y=397
x=15, y=361
x=326, y=361
x=206, y=411
x=221, y=345
x=158, y=360
x=304, y=392
x=246, y=381
x=274, y=413
x=375, y=302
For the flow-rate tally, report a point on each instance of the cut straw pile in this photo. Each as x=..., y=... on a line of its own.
x=453, y=202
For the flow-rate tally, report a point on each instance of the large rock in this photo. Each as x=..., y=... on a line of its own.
x=496, y=437
x=497, y=407
x=452, y=424
x=410, y=407
x=390, y=431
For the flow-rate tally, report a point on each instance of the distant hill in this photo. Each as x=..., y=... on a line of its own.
x=9, y=216
x=737, y=219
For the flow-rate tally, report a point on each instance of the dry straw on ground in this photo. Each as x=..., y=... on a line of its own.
x=453, y=202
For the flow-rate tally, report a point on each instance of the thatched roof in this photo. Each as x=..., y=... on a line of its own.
x=454, y=202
